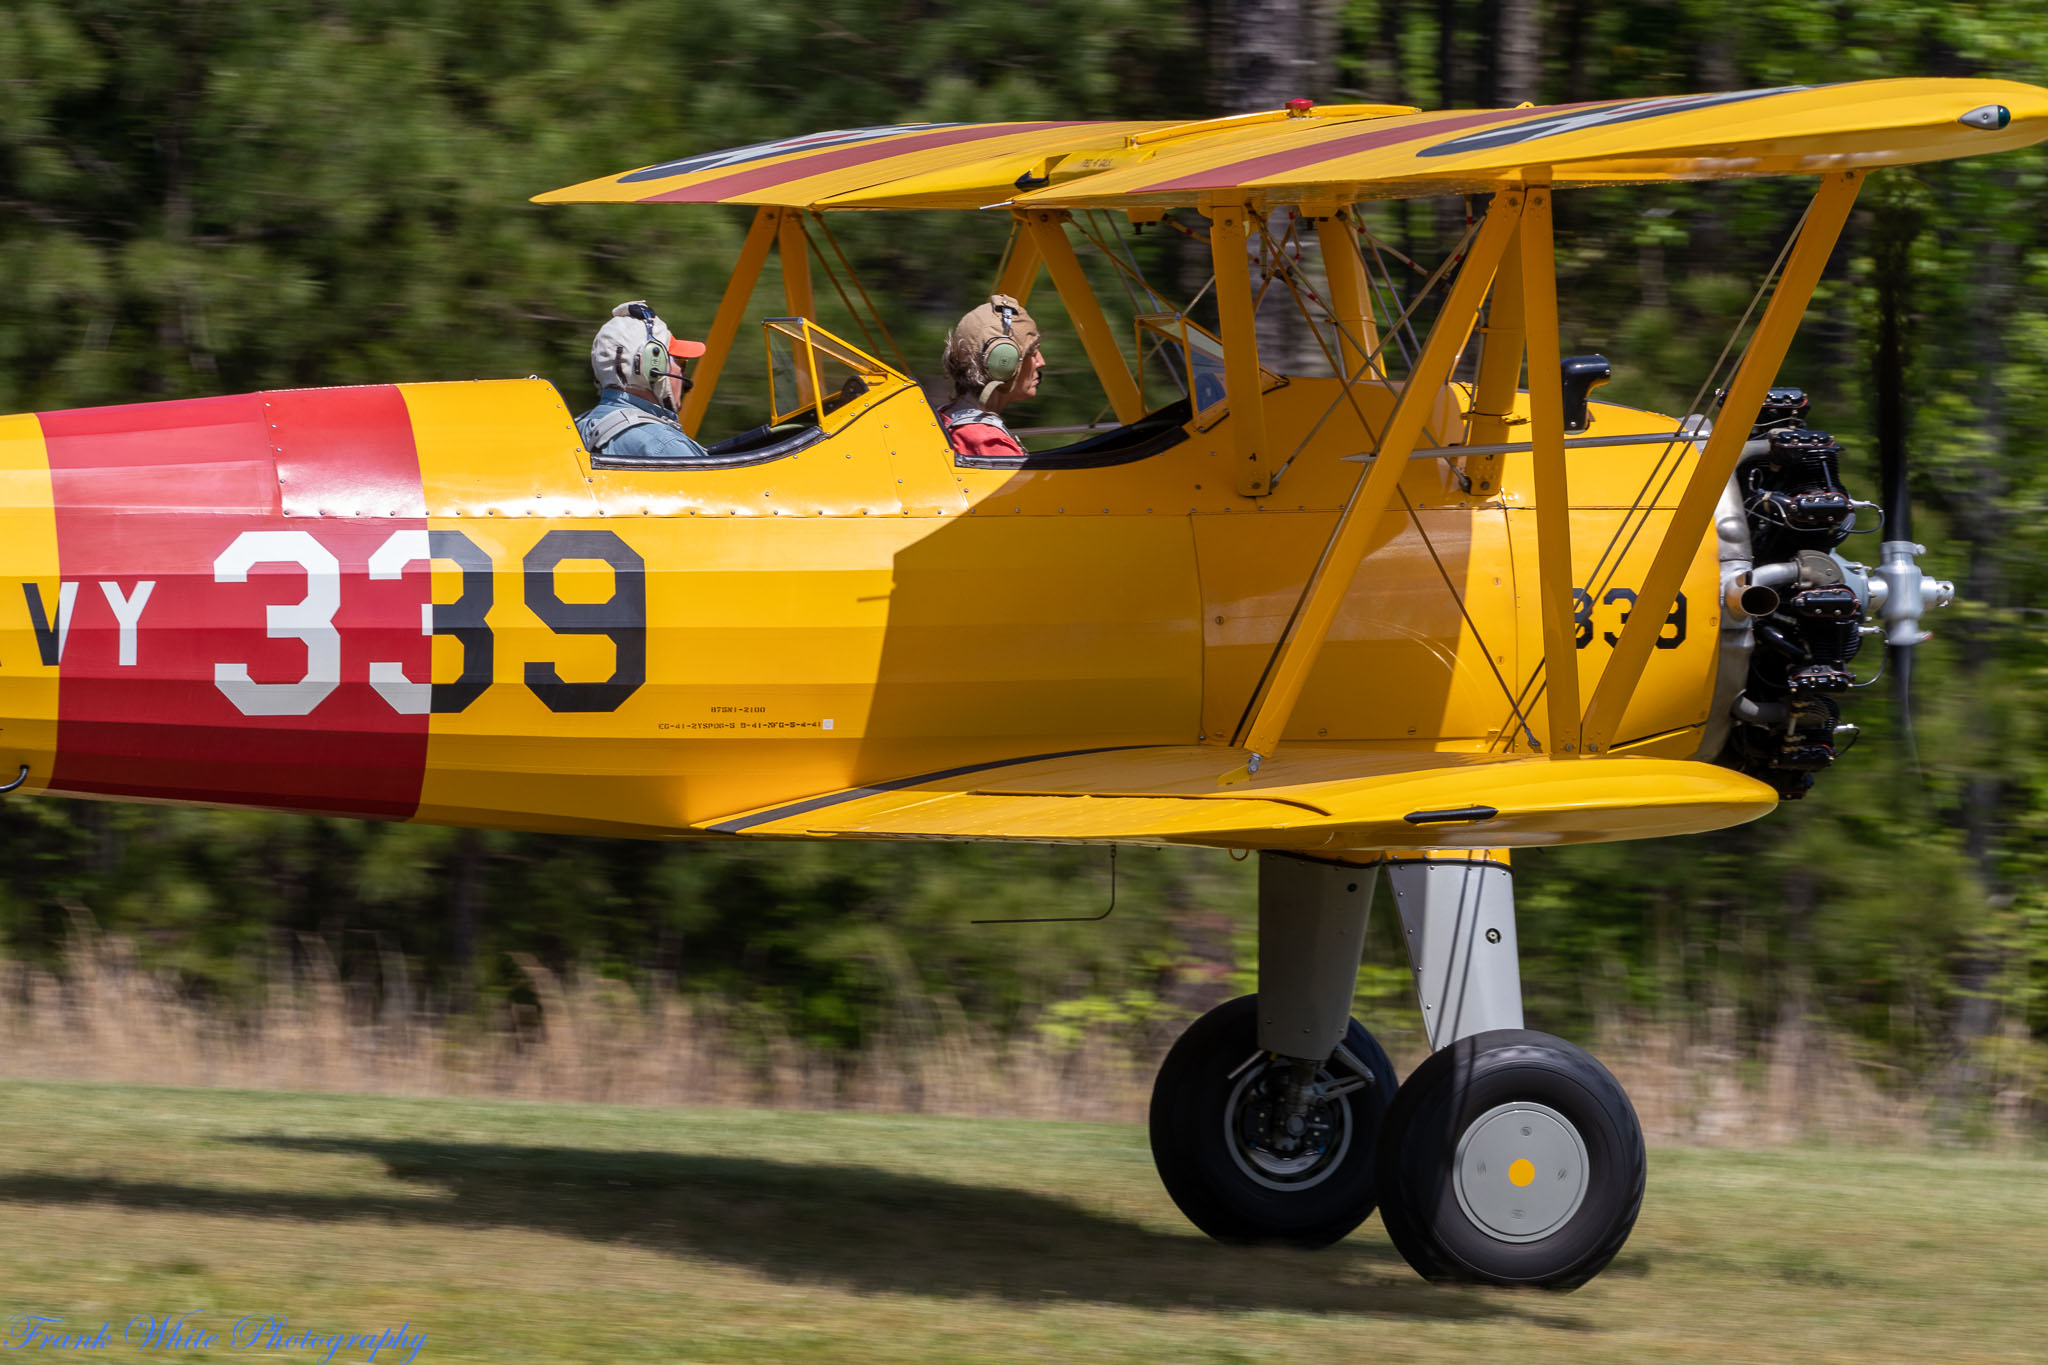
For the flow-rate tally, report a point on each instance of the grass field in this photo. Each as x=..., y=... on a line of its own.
x=555, y=1233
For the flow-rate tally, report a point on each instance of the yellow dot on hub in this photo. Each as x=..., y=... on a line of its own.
x=1521, y=1171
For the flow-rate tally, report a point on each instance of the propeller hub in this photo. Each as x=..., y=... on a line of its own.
x=1902, y=593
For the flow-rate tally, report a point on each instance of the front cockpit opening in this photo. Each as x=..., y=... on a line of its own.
x=818, y=383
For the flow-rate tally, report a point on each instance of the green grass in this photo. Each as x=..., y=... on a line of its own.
x=556, y=1233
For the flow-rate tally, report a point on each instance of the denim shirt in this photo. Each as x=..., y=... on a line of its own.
x=660, y=439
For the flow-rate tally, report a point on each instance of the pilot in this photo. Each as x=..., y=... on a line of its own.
x=993, y=359
x=638, y=364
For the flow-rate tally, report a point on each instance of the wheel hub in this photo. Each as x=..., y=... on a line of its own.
x=1272, y=1143
x=1521, y=1172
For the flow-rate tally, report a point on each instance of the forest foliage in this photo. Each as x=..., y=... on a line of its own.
x=212, y=197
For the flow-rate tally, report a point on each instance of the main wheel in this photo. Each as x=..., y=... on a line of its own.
x=1511, y=1157
x=1238, y=1162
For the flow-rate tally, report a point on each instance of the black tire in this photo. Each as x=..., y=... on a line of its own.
x=1220, y=1177
x=1446, y=1100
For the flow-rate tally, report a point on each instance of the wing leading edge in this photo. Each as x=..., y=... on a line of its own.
x=1304, y=799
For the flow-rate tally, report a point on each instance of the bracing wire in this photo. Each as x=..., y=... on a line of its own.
x=1414, y=343
x=1123, y=276
x=1345, y=390
x=880, y=322
x=1336, y=368
x=1390, y=303
x=1126, y=272
x=1373, y=353
x=1478, y=640
x=838, y=288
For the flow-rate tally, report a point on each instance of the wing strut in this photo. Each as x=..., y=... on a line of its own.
x=1359, y=522
x=793, y=251
x=1358, y=335
x=1499, y=377
x=732, y=309
x=1759, y=367
x=1020, y=263
x=1236, y=318
x=1049, y=234
x=1553, y=495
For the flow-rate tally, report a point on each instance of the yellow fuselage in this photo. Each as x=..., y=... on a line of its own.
x=858, y=612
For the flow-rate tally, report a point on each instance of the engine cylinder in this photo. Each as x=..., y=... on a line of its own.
x=1807, y=619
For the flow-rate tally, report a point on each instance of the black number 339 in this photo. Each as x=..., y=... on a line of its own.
x=623, y=618
x=1671, y=637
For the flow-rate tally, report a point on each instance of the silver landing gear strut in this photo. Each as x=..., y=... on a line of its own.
x=1311, y=933
x=1265, y=1113
x=1458, y=920
x=1509, y=1156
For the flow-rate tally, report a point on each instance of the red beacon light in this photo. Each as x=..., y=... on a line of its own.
x=1299, y=108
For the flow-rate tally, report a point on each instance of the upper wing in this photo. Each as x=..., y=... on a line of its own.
x=1794, y=130
x=1340, y=153
x=1304, y=799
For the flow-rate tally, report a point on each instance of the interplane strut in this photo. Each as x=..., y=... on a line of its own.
x=1352, y=538
x=1753, y=377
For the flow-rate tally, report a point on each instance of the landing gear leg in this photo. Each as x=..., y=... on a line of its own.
x=1509, y=1156
x=1265, y=1113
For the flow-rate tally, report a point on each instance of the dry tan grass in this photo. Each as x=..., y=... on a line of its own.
x=594, y=1039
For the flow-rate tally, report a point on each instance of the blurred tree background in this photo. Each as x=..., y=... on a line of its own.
x=211, y=196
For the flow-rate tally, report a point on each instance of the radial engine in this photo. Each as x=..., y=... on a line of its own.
x=1794, y=610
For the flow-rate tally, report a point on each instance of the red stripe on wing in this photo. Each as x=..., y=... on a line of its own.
x=1257, y=168
x=783, y=172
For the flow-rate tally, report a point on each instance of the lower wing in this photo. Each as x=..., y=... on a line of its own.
x=1303, y=799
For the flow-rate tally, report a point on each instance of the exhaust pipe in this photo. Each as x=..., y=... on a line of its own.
x=1745, y=597
x=1755, y=592
x=1760, y=712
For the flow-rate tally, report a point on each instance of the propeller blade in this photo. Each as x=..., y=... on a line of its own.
x=1896, y=504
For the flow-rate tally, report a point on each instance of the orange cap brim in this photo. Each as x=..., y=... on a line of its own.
x=688, y=350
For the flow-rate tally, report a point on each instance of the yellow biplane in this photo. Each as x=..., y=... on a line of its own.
x=1410, y=612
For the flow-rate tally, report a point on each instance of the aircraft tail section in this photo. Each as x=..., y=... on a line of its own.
x=178, y=566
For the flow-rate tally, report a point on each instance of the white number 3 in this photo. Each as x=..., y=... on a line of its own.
x=310, y=620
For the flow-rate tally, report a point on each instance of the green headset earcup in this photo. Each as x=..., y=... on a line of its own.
x=652, y=364
x=1002, y=360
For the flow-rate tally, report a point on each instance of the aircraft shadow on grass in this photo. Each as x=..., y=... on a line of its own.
x=866, y=1229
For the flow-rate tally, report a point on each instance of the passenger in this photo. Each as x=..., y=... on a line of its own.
x=638, y=364
x=993, y=359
